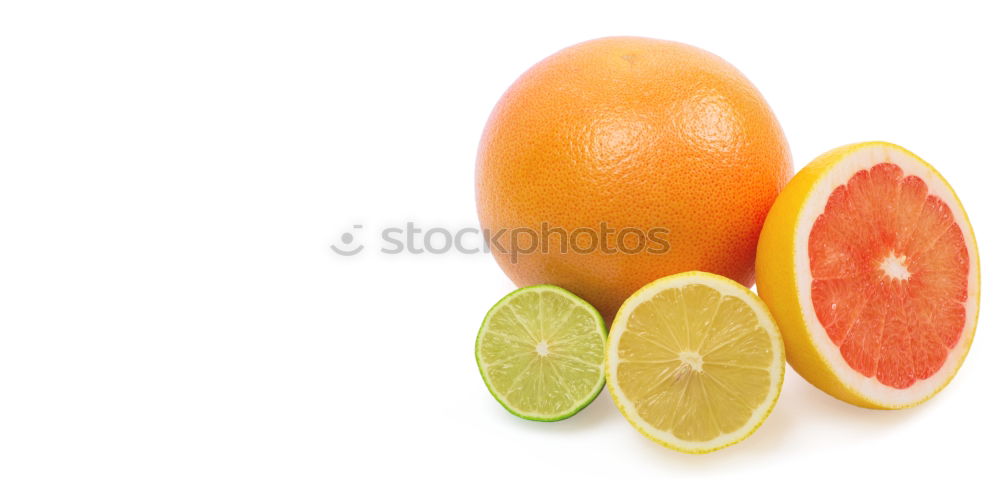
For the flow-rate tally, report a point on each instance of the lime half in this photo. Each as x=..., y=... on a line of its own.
x=541, y=353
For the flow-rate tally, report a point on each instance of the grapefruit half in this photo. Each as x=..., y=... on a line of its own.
x=868, y=262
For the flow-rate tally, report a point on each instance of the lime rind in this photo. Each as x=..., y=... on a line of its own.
x=599, y=328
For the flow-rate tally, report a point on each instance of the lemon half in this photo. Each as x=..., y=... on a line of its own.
x=695, y=362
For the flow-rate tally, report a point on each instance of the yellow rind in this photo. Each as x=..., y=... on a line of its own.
x=619, y=321
x=777, y=282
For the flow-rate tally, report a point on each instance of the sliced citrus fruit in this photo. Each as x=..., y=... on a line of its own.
x=695, y=361
x=540, y=351
x=868, y=261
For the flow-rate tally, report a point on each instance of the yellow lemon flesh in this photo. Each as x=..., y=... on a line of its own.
x=695, y=362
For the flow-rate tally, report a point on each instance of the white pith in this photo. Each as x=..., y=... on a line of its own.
x=862, y=159
x=725, y=288
x=692, y=360
x=542, y=348
x=894, y=267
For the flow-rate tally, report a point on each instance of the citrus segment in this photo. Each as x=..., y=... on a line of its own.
x=540, y=351
x=695, y=362
x=870, y=266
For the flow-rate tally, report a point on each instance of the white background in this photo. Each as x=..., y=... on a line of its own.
x=173, y=174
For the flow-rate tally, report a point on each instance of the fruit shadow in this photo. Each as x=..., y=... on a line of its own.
x=801, y=411
x=601, y=412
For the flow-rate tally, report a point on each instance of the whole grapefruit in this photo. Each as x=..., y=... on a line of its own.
x=621, y=160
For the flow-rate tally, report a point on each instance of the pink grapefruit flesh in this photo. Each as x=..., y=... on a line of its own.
x=869, y=264
x=890, y=266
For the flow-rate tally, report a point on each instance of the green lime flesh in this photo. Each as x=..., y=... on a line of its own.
x=540, y=351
